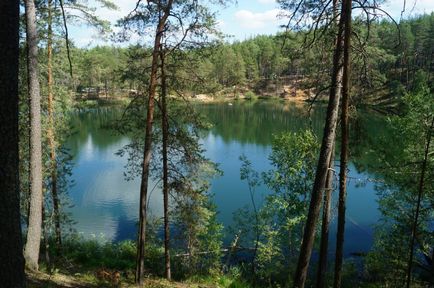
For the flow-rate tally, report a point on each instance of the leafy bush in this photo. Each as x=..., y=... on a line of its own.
x=96, y=252
x=250, y=95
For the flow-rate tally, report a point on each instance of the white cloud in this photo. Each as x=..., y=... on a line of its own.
x=86, y=36
x=412, y=7
x=251, y=20
x=125, y=7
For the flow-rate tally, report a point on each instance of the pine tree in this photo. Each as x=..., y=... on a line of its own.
x=11, y=245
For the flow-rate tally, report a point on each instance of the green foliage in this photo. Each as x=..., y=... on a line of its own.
x=271, y=259
x=250, y=95
x=401, y=72
x=293, y=157
x=100, y=67
x=62, y=106
x=388, y=260
x=277, y=230
x=230, y=280
x=198, y=234
x=383, y=71
x=97, y=253
x=229, y=68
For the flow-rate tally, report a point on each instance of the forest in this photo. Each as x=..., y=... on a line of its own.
x=302, y=158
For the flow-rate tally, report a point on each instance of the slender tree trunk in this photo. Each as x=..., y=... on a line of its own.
x=322, y=263
x=419, y=199
x=31, y=251
x=323, y=162
x=344, y=147
x=232, y=251
x=257, y=235
x=11, y=245
x=432, y=265
x=325, y=225
x=106, y=88
x=51, y=130
x=140, y=265
x=165, y=128
x=45, y=237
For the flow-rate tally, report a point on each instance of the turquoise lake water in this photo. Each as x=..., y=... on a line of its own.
x=106, y=204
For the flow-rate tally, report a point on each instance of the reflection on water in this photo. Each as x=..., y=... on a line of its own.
x=104, y=203
x=107, y=204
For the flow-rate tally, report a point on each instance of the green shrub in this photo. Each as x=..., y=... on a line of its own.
x=95, y=253
x=250, y=95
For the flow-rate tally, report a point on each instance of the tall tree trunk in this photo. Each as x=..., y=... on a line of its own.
x=257, y=235
x=51, y=130
x=344, y=147
x=11, y=245
x=46, y=244
x=432, y=265
x=140, y=265
x=165, y=128
x=419, y=199
x=325, y=225
x=31, y=251
x=323, y=162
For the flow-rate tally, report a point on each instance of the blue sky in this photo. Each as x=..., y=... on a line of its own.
x=250, y=18
x=243, y=20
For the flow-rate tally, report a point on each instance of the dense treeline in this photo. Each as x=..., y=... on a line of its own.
x=386, y=67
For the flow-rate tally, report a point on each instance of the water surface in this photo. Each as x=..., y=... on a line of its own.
x=106, y=204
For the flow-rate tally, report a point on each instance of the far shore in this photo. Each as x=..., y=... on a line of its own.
x=298, y=97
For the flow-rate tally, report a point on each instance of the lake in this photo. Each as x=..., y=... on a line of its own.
x=106, y=205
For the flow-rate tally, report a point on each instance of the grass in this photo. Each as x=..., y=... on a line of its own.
x=58, y=279
x=99, y=263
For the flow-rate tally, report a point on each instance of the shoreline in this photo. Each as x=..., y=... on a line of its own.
x=200, y=98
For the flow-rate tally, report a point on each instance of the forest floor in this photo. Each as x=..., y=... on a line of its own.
x=44, y=280
x=40, y=279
